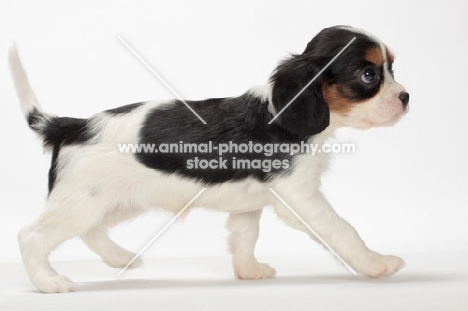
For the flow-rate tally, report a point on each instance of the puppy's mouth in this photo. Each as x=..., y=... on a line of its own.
x=394, y=116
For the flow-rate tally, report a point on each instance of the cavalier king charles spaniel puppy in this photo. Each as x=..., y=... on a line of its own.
x=94, y=184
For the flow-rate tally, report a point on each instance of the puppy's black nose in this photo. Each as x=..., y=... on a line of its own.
x=404, y=97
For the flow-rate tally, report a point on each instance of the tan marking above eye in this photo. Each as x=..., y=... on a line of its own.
x=374, y=55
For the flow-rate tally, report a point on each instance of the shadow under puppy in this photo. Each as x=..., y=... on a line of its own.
x=93, y=185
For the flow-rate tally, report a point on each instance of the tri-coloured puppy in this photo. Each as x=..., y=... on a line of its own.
x=93, y=185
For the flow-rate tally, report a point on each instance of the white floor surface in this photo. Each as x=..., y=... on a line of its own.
x=429, y=281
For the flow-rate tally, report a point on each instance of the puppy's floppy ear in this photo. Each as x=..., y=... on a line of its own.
x=308, y=114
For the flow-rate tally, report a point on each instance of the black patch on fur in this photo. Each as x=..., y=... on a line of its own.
x=64, y=131
x=124, y=109
x=34, y=117
x=238, y=120
x=58, y=132
x=245, y=118
x=53, y=167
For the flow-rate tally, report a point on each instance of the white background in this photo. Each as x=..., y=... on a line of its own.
x=404, y=189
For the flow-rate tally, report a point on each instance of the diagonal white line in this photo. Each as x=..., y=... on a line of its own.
x=313, y=79
x=159, y=77
x=313, y=232
x=160, y=232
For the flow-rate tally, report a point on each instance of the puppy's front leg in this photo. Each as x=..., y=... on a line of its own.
x=244, y=234
x=315, y=210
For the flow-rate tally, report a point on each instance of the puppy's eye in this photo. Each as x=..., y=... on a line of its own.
x=369, y=75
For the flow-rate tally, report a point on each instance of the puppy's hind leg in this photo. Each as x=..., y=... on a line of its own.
x=244, y=234
x=112, y=254
x=63, y=219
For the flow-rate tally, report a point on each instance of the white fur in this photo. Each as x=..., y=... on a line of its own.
x=264, y=92
x=23, y=88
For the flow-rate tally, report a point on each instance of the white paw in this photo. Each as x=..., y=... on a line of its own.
x=254, y=271
x=381, y=265
x=121, y=258
x=54, y=284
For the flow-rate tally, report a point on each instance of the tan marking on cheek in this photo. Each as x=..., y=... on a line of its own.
x=336, y=102
x=374, y=55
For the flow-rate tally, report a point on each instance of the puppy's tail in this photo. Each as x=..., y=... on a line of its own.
x=38, y=121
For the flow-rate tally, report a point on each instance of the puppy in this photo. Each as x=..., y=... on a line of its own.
x=94, y=185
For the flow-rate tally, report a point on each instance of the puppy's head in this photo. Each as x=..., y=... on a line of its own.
x=358, y=88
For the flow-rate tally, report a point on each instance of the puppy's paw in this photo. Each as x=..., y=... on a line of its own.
x=254, y=271
x=382, y=265
x=54, y=284
x=120, y=258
